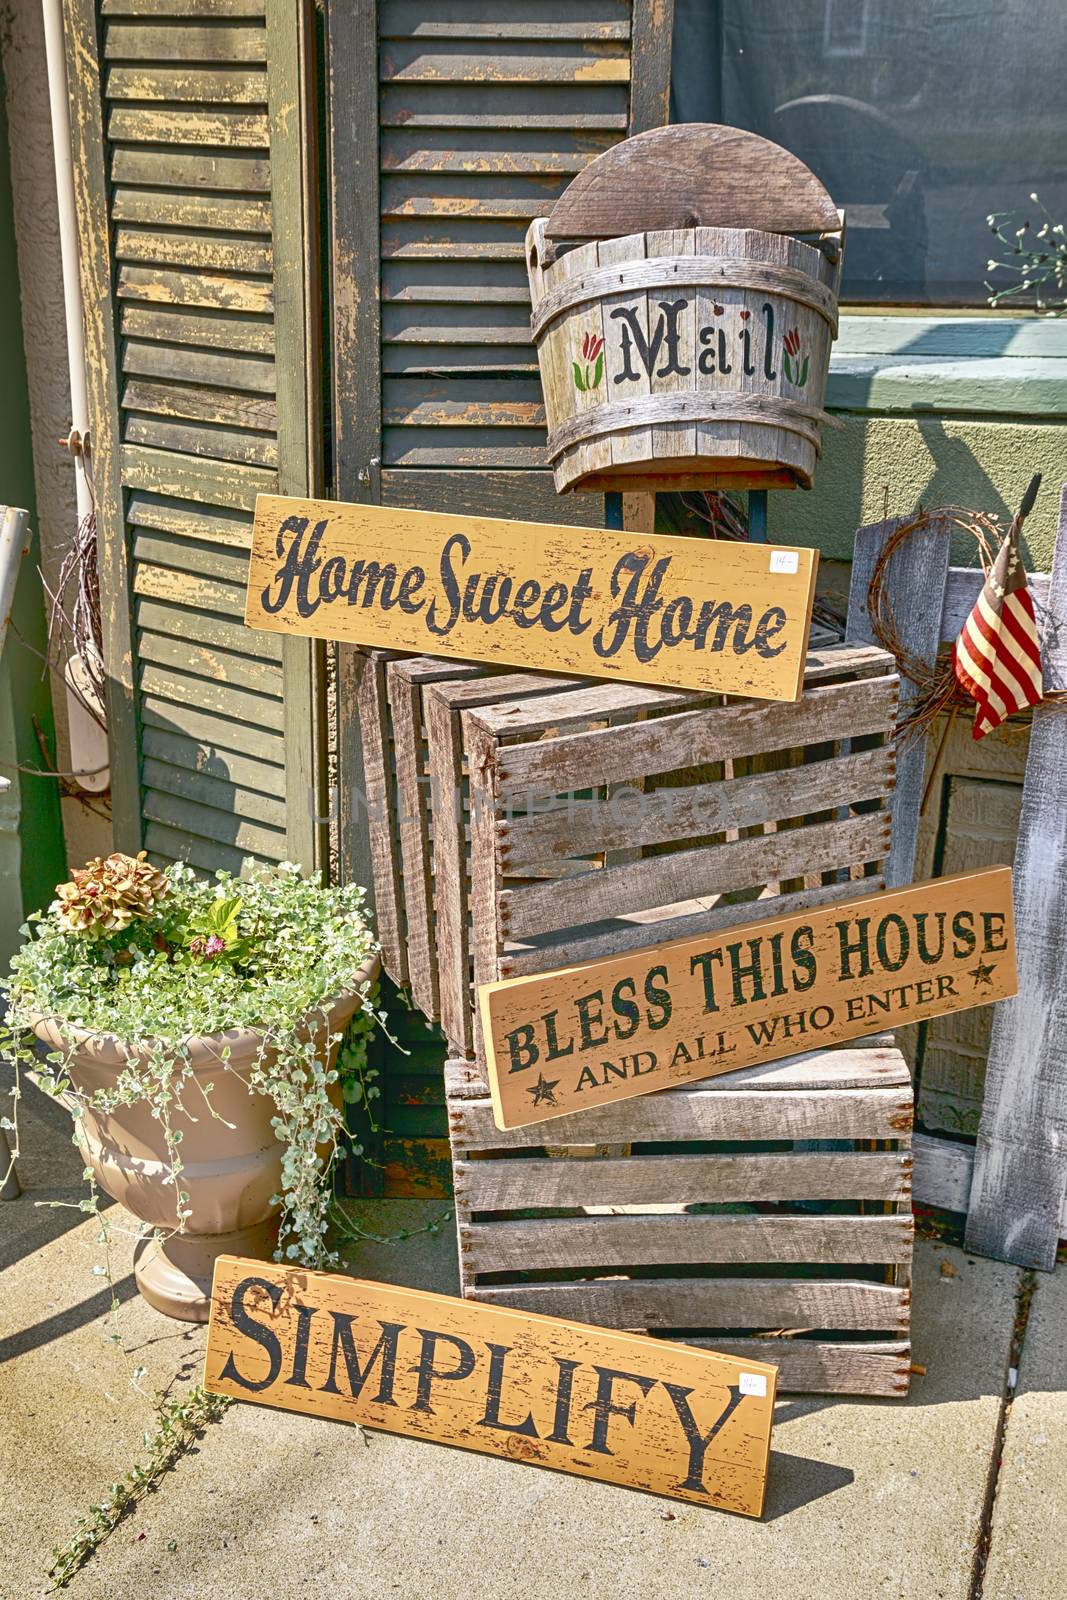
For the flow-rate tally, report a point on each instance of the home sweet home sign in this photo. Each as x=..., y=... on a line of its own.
x=620, y=1407
x=695, y=614
x=611, y=1029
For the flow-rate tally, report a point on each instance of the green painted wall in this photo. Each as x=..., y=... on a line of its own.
x=980, y=464
x=31, y=848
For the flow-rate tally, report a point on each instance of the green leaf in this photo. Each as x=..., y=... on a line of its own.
x=802, y=380
x=598, y=371
x=579, y=377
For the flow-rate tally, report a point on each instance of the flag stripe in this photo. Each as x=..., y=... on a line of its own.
x=997, y=657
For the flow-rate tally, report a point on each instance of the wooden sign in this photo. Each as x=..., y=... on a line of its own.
x=609, y=1029
x=627, y=1409
x=694, y=614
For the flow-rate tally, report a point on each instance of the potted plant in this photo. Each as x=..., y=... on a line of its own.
x=193, y=1028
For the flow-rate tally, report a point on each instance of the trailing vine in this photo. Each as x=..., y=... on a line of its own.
x=155, y=960
x=180, y=1423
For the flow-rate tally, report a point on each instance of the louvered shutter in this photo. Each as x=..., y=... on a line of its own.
x=190, y=146
x=453, y=123
x=487, y=111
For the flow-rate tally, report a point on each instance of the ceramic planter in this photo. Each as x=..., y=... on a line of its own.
x=230, y=1172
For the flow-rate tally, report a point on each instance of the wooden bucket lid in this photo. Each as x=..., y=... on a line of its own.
x=694, y=175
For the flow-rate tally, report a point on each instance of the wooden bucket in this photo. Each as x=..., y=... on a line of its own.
x=668, y=357
x=691, y=356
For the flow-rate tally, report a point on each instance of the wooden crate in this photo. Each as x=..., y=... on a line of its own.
x=444, y=703
x=366, y=679
x=411, y=833
x=718, y=1228
x=738, y=810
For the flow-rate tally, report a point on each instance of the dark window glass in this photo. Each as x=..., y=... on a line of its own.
x=920, y=116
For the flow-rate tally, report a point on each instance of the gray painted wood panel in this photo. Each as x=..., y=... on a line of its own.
x=1020, y=1169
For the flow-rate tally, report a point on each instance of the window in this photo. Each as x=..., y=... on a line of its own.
x=920, y=116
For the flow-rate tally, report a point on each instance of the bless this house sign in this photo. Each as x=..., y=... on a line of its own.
x=695, y=614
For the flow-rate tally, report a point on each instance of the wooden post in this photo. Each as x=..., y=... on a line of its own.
x=1020, y=1169
x=919, y=575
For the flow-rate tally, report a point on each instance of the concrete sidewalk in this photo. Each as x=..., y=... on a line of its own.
x=866, y=1499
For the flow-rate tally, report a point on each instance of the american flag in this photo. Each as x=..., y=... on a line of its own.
x=998, y=657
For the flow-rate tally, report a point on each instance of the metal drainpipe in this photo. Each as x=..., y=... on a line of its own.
x=68, y=239
x=88, y=743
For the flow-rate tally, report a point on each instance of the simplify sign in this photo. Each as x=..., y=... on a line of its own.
x=610, y=1029
x=691, y=613
x=621, y=1407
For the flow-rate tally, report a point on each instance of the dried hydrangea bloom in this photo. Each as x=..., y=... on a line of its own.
x=109, y=893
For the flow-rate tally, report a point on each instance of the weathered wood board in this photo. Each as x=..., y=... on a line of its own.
x=626, y=1409
x=609, y=1030
x=712, y=615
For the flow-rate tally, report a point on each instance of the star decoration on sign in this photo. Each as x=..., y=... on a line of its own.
x=543, y=1091
x=983, y=974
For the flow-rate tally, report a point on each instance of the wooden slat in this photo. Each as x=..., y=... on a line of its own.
x=650, y=88
x=714, y=1302
x=962, y=589
x=541, y=19
x=242, y=705
x=631, y=933
x=224, y=127
x=371, y=703
x=872, y=1063
x=457, y=283
x=686, y=874
x=676, y=1240
x=180, y=588
x=699, y=1112
x=206, y=822
x=469, y=195
x=215, y=526
x=182, y=8
x=178, y=752
x=208, y=661
x=223, y=292
x=1020, y=1166
x=176, y=210
x=245, y=374
x=917, y=573
x=199, y=403
x=708, y=177
x=210, y=329
x=219, y=733
x=178, y=42
x=489, y=494
x=661, y=815
x=218, y=485
x=199, y=84
x=695, y=738
x=353, y=212
x=223, y=444
x=815, y=1366
x=415, y=799
x=495, y=151
x=490, y=1185
x=219, y=794
x=210, y=855
x=165, y=169
x=519, y=61
x=566, y=106
x=463, y=403
x=173, y=248
x=193, y=626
